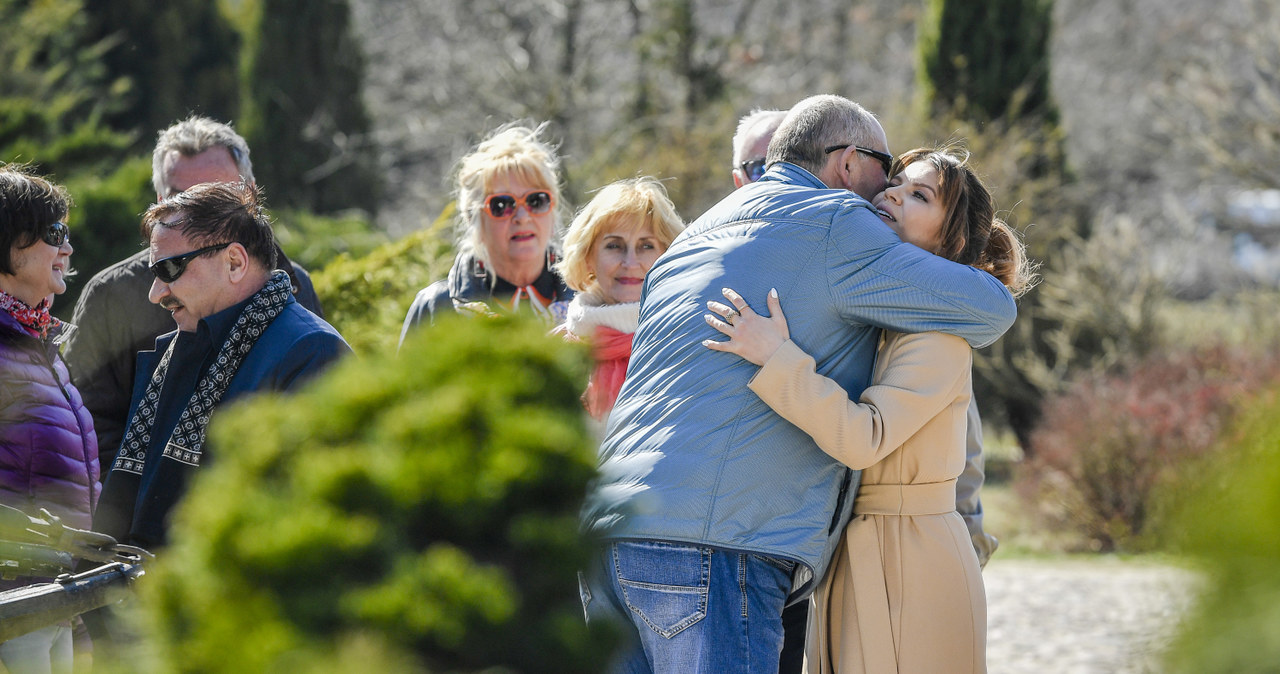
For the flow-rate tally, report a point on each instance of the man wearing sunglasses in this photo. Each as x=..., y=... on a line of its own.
x=240, y=330
x=750, y=142
x=715, y=510
x=113, y=318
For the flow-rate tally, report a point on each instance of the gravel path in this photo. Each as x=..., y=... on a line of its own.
x=1100, y=616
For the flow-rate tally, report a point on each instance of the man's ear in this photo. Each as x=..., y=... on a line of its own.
x=237, y=260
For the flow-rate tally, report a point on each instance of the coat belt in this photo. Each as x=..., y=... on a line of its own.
x=929, y=498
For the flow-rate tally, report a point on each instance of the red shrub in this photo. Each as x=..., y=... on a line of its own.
x=1105, y=448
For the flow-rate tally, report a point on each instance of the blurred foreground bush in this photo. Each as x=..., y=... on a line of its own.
x=1231, y=522
x=411, y=513
x=1113, y=450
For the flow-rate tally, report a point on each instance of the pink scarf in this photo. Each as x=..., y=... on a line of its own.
x=611, y=350
x=36, y=320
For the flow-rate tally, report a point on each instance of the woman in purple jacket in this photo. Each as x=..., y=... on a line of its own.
x=48, y=450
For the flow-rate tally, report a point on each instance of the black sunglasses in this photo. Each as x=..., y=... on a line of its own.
x=753, y=169
x=886, y=160
x=170, y=268
x=56, y=234
x=504, y=205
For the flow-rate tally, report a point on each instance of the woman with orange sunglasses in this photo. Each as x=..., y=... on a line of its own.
x=508, y=198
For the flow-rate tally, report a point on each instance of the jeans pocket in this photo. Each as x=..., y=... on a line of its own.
x=664, y=584
x=778, y=562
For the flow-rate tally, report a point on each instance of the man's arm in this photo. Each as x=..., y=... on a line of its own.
x=968, y=499
x=876, y=279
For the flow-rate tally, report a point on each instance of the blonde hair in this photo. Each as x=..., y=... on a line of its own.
x=511, y=150
x=636, y=204
x=971, y=233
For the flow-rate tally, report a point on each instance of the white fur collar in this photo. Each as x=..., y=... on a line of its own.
x=587, y=312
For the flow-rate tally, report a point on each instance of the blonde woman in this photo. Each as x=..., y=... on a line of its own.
x=611, y=245
x=904, y=592
x=508, y=198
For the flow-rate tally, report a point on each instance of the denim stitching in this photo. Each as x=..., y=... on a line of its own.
x=701, y=591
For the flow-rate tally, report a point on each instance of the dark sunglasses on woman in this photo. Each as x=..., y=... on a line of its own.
x=504, y=205
x=169, y=269
x=56, y=234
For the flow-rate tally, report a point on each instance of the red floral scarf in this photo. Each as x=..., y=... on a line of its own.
x=37, y=320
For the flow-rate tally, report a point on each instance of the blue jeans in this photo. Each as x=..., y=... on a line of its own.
x=689, y=609
x=40, y=652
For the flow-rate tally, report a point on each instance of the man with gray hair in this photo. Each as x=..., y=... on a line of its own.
x=113, y=319
x=713, y=508
x=751, y=141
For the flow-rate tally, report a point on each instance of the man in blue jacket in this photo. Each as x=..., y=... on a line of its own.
x=714, y=508
x=240, y=330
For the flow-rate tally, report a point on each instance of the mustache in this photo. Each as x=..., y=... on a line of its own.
x=170, y=304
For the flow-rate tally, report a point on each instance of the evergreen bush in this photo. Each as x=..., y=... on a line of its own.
x=366, y=298
x=313, y=240
x=410, y=513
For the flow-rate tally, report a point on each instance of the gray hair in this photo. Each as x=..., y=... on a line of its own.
x=749, y=122
x=816, y=123
x=192, y=136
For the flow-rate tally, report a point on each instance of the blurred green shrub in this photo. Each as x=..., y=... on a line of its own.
x=1111, y=450
x=1230, y=521
x=410, y=513
x=367, y=298
x=314, y=240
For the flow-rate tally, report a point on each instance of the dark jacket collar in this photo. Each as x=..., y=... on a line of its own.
x=470, y=280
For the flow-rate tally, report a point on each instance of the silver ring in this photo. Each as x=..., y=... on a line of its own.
x=730, y=316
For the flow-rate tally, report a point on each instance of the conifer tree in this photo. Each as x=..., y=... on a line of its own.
x=304, y=113
x=989, y=58
x=180, y=57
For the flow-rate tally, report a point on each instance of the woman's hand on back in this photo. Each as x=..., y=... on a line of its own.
x=752, y=336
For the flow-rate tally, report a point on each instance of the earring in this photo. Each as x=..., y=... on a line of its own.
x=591, y=277
x=478, y=270
x=551, y=258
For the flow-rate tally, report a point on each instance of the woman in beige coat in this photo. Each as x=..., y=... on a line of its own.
x=904, y=593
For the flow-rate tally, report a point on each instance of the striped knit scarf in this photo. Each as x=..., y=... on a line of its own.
x=187, y=440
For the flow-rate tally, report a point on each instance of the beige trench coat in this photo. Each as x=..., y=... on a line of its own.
x=904, y=592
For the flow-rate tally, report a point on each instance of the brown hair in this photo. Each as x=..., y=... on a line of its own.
x=217, y=213
x=971, y=233
x=28, y=204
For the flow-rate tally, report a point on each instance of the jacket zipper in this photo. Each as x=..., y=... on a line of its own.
x=844, y=492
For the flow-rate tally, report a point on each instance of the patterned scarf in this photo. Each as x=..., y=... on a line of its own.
x=188, y=436
x=35, y=319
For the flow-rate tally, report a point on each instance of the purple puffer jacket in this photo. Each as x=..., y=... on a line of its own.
x=48, y=450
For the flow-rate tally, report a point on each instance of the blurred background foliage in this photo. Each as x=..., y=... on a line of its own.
x=1133, y=144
